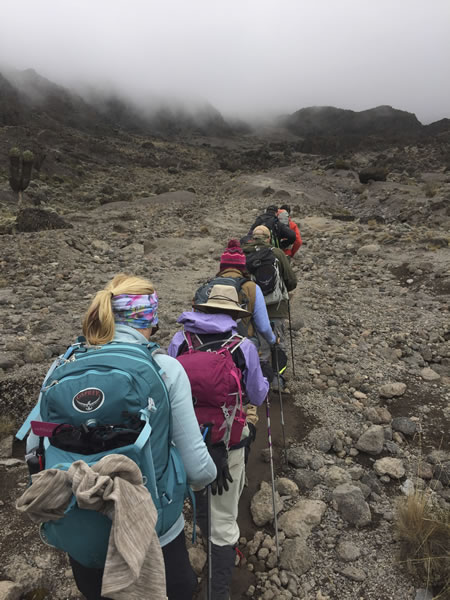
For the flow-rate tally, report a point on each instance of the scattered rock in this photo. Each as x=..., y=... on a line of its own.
x=404, y=425
x=310, y=511
x=423, y=594
x=354, y=573
x=296, y=556
x=372, y=174
x=197, y=558
x=286, y=487
x=428, y=374
x=369, y=250
x=261, y=505
x=392, y=390
x=349, y=501
x=441, y=472
x=347, y=551
x=322, y=438
x=11, y=462
x=10, y=590
x=298, y=457
x=6, y=446
x=36, y=353
x=37, y=219
x=306, y=479
x=372, y=440
x=335, y=476
x=390, y=466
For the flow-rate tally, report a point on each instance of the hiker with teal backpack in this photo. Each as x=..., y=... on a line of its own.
x=115, y=400
x=225, y=375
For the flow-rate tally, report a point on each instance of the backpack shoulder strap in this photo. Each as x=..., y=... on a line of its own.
x=233, y=343
x=35, y=411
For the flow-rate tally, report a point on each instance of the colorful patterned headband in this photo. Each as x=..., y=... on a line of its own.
x=136, y=311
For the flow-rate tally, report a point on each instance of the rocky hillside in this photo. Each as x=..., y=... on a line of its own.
x=28, y=98
x=326, y=129
x=368, y=410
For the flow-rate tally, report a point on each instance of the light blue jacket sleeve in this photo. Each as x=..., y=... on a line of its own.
x=200, y=468
x=261, y=318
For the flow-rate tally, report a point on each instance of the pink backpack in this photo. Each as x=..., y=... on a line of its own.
x=216, y=387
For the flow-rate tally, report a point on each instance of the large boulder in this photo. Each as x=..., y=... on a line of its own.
x=10, y=591
x=372, y=174
x=349, y=500
x=390, y=466
x=392, y=390
x=261, y=505
x=37, y=219
x=372, y=440
x=296, y=556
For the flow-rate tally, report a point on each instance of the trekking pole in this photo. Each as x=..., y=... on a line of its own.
x=269, y=436
x=281, y=405
x=209, y=528
x=290, y=335
x=209, y=584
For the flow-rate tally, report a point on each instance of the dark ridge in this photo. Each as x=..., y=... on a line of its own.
x=328, y=120
x=26, y=97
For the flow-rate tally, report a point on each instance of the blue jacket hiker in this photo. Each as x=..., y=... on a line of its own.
x=215, y=328
x=115, y=382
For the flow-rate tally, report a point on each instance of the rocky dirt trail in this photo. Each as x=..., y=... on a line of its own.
x=368, y=412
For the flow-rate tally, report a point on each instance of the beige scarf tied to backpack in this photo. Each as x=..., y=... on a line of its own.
x=134, y=567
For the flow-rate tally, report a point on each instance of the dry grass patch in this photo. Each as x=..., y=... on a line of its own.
x=424, y=534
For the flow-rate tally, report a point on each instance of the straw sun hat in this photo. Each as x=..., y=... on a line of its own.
x=224, y=297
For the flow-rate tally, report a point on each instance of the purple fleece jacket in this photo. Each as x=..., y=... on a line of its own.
x=256, y=384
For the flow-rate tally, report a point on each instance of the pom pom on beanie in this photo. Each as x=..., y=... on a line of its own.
x=233, y=257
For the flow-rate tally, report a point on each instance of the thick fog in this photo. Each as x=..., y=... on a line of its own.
x=248, y=58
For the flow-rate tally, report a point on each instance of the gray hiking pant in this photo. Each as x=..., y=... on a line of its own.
x=264, y=346
x=224, y=527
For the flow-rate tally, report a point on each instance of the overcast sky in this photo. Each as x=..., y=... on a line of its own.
x=246, y=57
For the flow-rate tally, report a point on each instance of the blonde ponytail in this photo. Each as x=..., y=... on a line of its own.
x=98, y=323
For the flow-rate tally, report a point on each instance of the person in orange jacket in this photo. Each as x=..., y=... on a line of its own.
x=283, y=216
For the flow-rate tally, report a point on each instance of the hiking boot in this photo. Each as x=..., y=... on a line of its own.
x=274, y=384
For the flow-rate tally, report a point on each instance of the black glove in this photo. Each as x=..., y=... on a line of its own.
x=219, y=455
x=267, y=371
x=249, y=440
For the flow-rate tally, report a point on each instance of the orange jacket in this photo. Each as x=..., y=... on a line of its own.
x=298, y=239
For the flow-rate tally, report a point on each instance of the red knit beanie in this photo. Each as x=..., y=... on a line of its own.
x=233, y=257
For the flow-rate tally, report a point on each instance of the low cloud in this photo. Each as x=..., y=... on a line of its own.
x=248, y=58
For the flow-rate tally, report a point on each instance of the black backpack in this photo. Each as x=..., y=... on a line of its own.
x=261, y=264
x=264, y=268
x=273, y=225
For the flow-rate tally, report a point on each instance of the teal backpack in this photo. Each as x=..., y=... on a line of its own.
x=111, y=399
